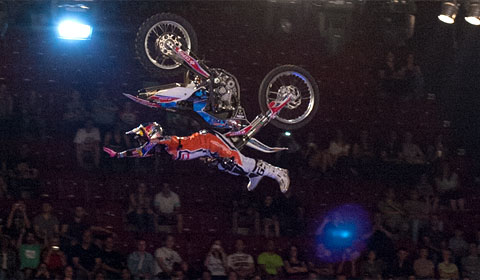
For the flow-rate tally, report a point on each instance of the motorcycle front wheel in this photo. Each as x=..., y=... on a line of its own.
x=154, y=33
x=290, y=79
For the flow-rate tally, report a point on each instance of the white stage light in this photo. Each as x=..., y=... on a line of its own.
x=74, y=30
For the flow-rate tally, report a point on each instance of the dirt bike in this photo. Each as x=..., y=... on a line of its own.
x=165, y=43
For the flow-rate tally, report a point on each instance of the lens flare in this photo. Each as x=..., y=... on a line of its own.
x=342, y=233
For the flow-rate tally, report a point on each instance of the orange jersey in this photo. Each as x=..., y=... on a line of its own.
x=201, y=144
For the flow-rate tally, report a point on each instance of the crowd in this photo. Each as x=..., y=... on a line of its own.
x=409, y=239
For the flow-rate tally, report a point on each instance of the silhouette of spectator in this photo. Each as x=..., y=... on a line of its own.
x=245, y=218
x=447, y=269
x=216, y=261
x=140, y=213
x=241, y=262
x=75, y=113
x=87, y=145
x=104, y=111
x=448, y=187
x=423, y=267
x=270, y=262
x=167, y=206
x=269, y=214
x=140, y=263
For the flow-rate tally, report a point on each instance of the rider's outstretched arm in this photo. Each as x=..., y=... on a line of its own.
x=135, y=152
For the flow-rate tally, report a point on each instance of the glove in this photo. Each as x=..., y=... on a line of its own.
x=110, y=152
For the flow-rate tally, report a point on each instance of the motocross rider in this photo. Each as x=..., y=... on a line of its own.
x=204, y=144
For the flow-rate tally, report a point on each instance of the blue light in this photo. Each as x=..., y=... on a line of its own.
x=74, y=30
x=342, y=233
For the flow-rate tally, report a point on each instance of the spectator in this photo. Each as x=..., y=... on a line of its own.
x=391, y=149
x=458, y=245
x=126, y=275
x=245, y=218
x=29, y=253
x=42, y=272
x=73, y=229
x=75, y=113
x=128, y=117
x=270, y=262
x=425, y=190
x=104, y=111
x=417, y=213
x=86, y=257
x=389, y=76
x=140, y=213
x=269, y=214
x=112, y=261
x=140, y=263
x=338, y=150
x=437, y=152
x=434, y=250
x=295, y=267
x=448, y=187
x=17, y=221
x=380, y=240
x=411, y=152
x=8, y=260
x=423, y=267
x=68, y=273
x=188, y=271
x=232, y=275
x=401, y=267
x=165, y=258
x=372, y=268
x=46, y=224
x=99, y=275
x=167, y=206
x=216, y=261
x=312, y=275
x=392, y=211
x=206, y=275
x=87, y=145
x=292, y=214
x=321, y=269
x=240, y=262
x=54, y=257
x=311, y=152
x=25, y=174
x=447, y=269
x=471, y=263
x=363, y=154
x=413, y=78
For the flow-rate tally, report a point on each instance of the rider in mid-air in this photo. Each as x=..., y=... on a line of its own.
x=209, y=144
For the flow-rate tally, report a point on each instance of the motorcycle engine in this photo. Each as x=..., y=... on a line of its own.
x=226, y=91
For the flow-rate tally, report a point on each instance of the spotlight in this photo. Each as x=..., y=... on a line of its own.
x=74, y=21
x=287, y=133
x=74, y=30
x=449, y=12
x=473, y=14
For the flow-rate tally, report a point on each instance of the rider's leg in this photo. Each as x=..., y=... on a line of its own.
x=255, y=170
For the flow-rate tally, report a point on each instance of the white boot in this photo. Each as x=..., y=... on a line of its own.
x=265, y=169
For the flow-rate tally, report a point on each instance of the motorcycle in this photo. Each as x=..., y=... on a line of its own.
x=165, y=43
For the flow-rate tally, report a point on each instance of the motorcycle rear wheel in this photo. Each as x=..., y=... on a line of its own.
x=304, y=105
x=163, y=26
